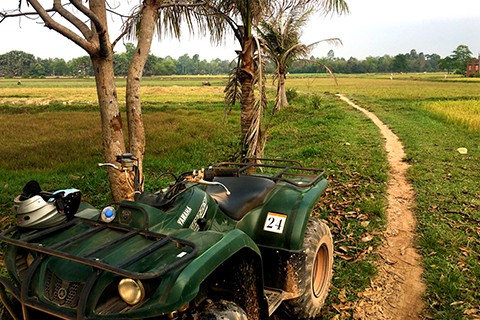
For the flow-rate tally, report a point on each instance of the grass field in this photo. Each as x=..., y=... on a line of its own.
x=49, y=131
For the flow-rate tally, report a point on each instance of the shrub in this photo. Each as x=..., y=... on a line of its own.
x=291, y=94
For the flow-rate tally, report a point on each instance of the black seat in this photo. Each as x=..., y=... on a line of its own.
x=247, y=193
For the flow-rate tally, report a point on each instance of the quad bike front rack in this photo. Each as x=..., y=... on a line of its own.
x=33, y=241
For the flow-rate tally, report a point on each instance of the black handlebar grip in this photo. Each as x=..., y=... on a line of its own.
x=125, y=156
x=211, y=173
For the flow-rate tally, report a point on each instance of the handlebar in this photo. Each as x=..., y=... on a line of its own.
x=108, y=165
x=126, y=160
x=129, y=165
x=204, y=176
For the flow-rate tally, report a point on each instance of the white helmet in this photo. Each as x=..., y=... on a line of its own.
x=36, y=213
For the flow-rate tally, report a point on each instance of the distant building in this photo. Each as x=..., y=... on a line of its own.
x=472, y=68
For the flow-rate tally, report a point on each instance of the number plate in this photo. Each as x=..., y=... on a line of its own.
x=275, y=222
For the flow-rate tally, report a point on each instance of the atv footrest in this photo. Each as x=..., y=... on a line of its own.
x=275, y=297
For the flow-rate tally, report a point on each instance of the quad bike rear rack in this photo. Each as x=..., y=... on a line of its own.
x=290, y=171
x=32, y=241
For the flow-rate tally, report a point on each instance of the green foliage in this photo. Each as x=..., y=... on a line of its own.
x=316, y=100
x=291, y=94
x=17, y=63
x=21, y=64
x=408, y=62
x=281, y=35
x=313, y=100
x=457, y=61
x=400, y=63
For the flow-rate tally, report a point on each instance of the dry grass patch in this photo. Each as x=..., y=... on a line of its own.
x=174, y=94
x=27, y=95
x=40, y=96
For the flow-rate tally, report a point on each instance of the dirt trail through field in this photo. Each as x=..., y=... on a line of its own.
x=396, y=292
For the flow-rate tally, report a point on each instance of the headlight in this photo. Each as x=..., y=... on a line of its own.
x=131, y=291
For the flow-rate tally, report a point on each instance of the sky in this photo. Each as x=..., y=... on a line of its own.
x=372, y=28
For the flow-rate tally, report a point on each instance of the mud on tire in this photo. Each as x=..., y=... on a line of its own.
x=236, y=283
x=314, y=272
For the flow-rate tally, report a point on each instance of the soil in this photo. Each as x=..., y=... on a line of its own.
x=396, y=291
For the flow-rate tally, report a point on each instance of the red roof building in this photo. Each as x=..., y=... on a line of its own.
x=472, y=68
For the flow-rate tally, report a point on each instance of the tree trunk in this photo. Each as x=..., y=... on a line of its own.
x=136, y=130
x=101, y=54
x=247, y=75
x=281, y=100
x=112, y=132
x=96, y=42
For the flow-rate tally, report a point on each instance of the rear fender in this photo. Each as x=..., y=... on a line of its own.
x=282, y=220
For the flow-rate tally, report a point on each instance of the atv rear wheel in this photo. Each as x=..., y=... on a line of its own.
x=312, y=278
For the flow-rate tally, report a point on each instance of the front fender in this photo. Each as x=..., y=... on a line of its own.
x=177, y=291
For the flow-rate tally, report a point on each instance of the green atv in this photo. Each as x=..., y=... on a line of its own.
x=233, y=241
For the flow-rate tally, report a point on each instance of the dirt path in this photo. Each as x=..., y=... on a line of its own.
x=396, y=292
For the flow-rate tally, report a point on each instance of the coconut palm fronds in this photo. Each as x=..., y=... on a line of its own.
x=233, y=92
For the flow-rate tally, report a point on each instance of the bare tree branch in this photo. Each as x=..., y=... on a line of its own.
x=18, y=13
x=80, y=25
x=124, y=32
x=127, y=27
x=52, y=24
x=101, y=28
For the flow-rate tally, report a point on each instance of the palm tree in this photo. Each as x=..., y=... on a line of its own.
x=244, y=16
x=281, y=38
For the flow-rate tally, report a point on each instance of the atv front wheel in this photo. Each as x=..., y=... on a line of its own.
x=221, y=310
x=314, y=271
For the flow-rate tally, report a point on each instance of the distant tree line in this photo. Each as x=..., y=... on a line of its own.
x=21, y=64
x=408, y=62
